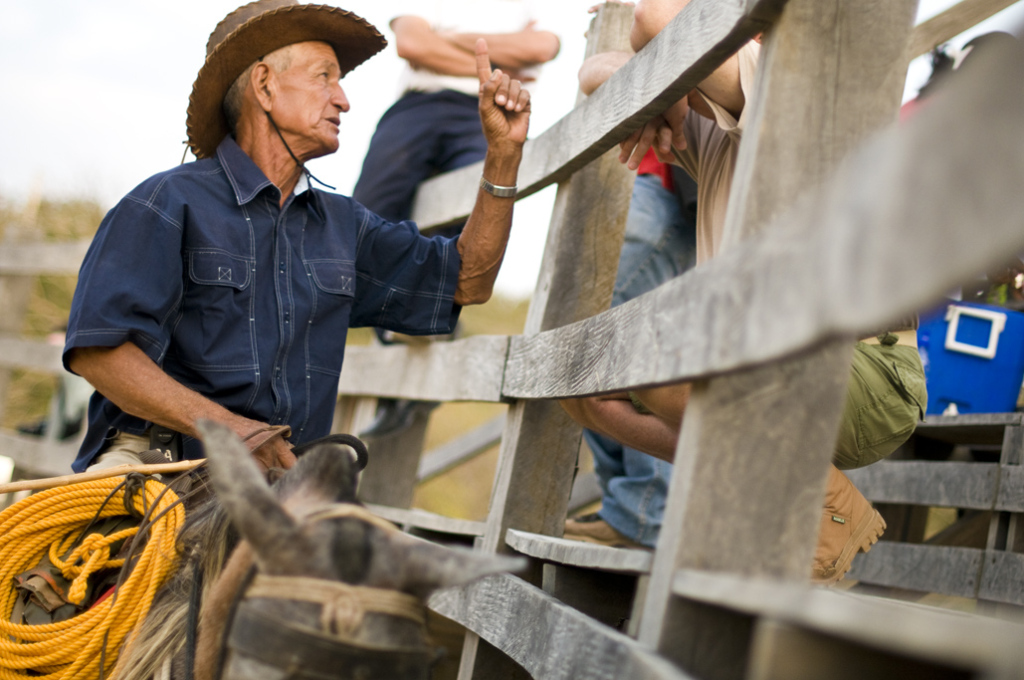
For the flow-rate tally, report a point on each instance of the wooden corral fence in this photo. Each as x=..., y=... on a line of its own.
x=839, y=222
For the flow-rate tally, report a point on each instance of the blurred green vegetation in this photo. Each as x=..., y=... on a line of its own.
x=54, y=221
x=463, y=492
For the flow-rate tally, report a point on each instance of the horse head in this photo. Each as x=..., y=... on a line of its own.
x=319, y=587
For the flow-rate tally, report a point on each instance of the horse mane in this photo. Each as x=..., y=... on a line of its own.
x=206, y=541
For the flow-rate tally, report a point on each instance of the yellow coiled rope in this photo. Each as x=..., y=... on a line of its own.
x=48, y=523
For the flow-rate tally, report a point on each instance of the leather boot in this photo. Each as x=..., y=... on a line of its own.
x=849, y=525
x=592, y=529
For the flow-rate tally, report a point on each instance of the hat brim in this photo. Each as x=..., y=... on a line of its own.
x=353, y=38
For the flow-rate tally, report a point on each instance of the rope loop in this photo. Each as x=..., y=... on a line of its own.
x=52, y=522
x=134, y=495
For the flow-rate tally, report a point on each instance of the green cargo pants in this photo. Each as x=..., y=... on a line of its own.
x=885, y=399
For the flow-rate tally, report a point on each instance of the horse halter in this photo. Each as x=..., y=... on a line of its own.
x=333, y=651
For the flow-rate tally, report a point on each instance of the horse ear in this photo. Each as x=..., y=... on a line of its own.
x=419, y=567
x=327, y=473
x=249, y=501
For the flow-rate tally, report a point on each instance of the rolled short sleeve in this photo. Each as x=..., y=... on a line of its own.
x=747, y=58
x=405, y=281
x=130, y=281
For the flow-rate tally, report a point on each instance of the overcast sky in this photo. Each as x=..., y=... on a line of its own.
x=95, y=94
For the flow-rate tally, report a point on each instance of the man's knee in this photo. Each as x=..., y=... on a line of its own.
x=885, y=400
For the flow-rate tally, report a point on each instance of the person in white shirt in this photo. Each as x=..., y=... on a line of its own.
x=434, y=127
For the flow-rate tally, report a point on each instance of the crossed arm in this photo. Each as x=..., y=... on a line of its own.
x=454, y=53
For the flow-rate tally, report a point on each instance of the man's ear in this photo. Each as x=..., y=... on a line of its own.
x=263, y=86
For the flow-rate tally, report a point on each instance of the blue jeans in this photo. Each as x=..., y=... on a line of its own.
x=660, y=244
x=423, y=134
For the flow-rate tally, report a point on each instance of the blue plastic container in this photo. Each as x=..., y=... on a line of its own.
x=973, y=358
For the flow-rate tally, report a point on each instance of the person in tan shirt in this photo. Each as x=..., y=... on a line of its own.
x=886, y=394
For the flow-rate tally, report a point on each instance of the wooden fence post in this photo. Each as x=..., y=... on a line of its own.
x=15, y=289
x=752, y=458
x=540, y=443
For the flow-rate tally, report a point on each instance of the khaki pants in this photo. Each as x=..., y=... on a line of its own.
x=124, y=449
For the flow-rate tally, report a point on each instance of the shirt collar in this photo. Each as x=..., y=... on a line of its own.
x=245, y=176
x=247, y=180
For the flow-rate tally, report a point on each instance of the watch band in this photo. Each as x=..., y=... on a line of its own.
x=500, y=192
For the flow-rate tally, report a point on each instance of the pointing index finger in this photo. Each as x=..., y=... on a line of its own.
x=483, y=61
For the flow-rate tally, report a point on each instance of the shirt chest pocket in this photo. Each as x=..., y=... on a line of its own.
x=215, y=268
x=334, y=288
x=214, y=330
x=336, y=277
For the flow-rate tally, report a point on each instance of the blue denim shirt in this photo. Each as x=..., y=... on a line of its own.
x=244, y=301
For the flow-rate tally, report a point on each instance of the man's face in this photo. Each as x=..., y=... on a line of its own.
x=309, y=101
x=649, y=17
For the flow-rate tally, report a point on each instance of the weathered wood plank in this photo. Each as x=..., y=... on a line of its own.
x=700, y=38
x=551, y=640
x=1003, y=577
x=969, y=420
x=34, y=258
x=930, y=569
x=463, y=370
x=958, y=485
x=1012, y=446
x=14, y=296
x=586, y=489
x=353, y=414
x=438, y=461
x=951, y=23
x=579, y=554
x=390, y=475
x=791, y=288
x=541, y=443
x=36, y=456
x=421, y=519
x=820, y=88
x=855, y=92
x=1011, y=489
x=34, y=355
x=969, y=428
x=903, y=628
x=775, y=478
x=536, y=460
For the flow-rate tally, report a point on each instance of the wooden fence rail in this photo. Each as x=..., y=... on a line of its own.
x=839, y=222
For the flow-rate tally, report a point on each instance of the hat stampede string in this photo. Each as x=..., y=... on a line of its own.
x=299, y=163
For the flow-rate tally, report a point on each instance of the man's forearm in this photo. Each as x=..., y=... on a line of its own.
x=512, y=50
x=419, y=45
x=139, y=387
x=485, y=236
x=722, y=86
x=619, y=419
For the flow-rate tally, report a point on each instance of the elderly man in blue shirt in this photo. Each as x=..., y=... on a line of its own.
x=223, y=288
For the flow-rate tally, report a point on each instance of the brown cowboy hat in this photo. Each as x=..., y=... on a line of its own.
x=255, y=30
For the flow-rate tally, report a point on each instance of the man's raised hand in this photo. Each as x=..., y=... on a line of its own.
x=504, y=104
